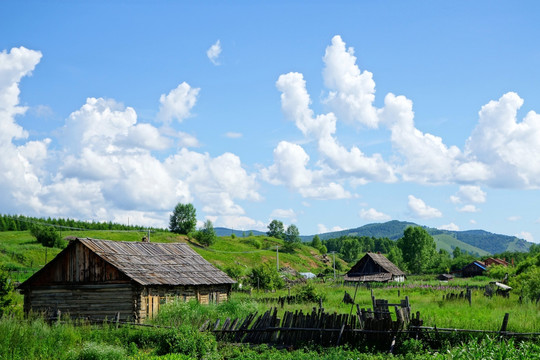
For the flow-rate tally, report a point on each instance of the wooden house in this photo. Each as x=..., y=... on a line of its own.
x=495, y=261
x=475, y=268
x=374, y=267
x=99, y=278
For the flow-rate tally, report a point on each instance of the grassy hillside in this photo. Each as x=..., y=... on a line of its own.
x=448, y=242
x=21, y=253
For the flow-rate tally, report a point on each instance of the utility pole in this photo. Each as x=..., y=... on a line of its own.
x=334, y=253
x=277, y=257
x=148, y=234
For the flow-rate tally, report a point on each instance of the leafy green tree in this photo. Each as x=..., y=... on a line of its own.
x=48, y=236
x=276, y=229
x=207, y=235
x=183, y=219
x=350, y=248
x=456, y=252
x=323, y=249
x=265, y=277
x=395, y=256
x=292, y=238
x=418, y=249
x=316, y=242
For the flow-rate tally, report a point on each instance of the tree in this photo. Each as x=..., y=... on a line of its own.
x=276, y=229
x=418, y=249
x=47, y=236
x=265, y=277
x=456, y=252
x=183, y=220
x=316, y=242
x=207, y=235
x=292, y=238
x=350, y=249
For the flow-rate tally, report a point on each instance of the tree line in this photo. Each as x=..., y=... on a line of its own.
x=23, y=223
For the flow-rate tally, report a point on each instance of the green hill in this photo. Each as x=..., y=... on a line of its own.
x=23, y=255
x=473, y=241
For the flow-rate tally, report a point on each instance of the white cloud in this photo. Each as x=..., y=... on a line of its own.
x=177, y=104
x=289, y=168
x=526, y=236
x=187, y=140
x=472, y=221
x=514, y=218
x=288, y=214
x=450, y=227
x=469, y=193
x=213, y=52
x=321, y=229
x=233, y=135
x=419, y=209
x=373, y=215
x=505, y=145
x=468, y=209
x=295, y=103
x=352, y=91
x=20, y=165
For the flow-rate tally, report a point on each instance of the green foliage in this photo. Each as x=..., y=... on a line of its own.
x=276, y=229
x=265, y=277
x=253, y=241
x=207, y=235
x=323, y=249
x=350, y=249
x=48, y=236
x=95, y=351
x=6, y=292
x=188, y=341
x=292, y=238
x=316, y=242
x=418, y=249
x=309, y=293
x=183, y=219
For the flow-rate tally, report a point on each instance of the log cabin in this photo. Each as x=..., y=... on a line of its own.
x=97, y=279
x=374, y=268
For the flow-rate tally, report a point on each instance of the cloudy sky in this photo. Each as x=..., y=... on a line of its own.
x=328, y=116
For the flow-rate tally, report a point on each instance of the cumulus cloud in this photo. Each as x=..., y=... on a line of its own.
x=213, y=52
x=514, y=218
x=373, y=215
x=352, y=91
x=288, y=214
x=526, y=236
x=450, y=227
x=177, y=104
x=321, y=228
x=469, y=193
x=20, y=165
x=505, y=145
x=233, y=135
x=295, y=102
x=468, y=209
x=419, y=209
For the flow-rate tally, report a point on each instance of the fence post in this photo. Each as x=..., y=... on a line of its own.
x=504, y=324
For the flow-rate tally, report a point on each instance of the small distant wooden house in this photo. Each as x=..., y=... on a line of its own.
x=374, y=268
x=99, y=278
x=494, y=261
x=476, y=268
x=445, y=277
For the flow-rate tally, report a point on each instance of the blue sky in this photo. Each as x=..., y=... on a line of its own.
x=330, y=115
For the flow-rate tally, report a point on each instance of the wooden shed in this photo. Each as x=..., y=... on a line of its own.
x=374, y=267
x=475, y=268
x=99, y=278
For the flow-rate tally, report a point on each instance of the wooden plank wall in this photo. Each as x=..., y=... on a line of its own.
x=86, y=301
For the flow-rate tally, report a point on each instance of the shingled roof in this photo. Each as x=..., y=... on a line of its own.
x=383, y=270
x=158, y=263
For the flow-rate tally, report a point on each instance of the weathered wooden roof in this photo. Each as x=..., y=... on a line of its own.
x=360, y=268
x=157, y=263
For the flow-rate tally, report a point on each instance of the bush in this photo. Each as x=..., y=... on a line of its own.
x=6, y=292
x=95, y=351
x=48, y=236
x=266, y=278
x=188, y=341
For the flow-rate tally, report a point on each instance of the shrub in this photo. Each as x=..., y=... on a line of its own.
x=95, y=351
x=6, y=292
x=48, y=236
x=187, y=341
x=266, y=278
